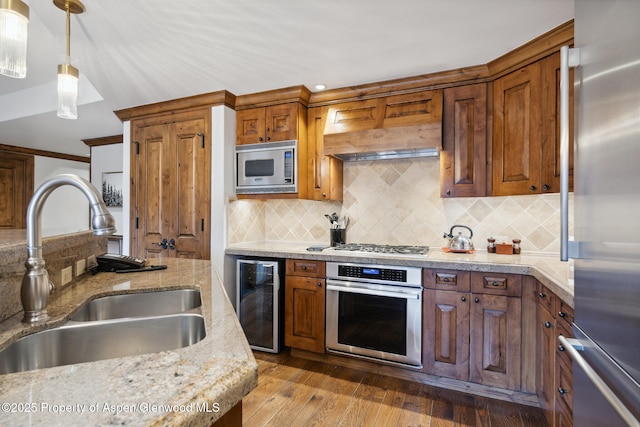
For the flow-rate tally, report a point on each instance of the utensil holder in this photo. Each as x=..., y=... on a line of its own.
x=337, y=236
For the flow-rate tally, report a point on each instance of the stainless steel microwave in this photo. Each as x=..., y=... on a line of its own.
x=269, y=167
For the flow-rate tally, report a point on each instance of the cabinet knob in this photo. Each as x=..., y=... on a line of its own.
x=448, y=192
x=562, y=314
x=533, y=188
x=547, y=324
x=324, y=195
x=542, y=295
x=562, y=391
x=476, y=299
x=495, y=283
x=319, y=284
x=463, y=299
x=545, y=187
x=561, y=347
x=260, y=138
x=447, y=279
x=304, y=267
x=268, y=138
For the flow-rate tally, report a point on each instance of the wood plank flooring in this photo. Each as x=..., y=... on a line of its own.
x=297, y=392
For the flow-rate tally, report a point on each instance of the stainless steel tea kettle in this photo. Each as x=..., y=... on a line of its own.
x=459, y=242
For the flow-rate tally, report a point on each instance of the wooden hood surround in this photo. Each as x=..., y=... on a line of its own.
x=403, y=117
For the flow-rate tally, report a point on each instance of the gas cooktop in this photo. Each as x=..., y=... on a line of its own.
x=383, y=249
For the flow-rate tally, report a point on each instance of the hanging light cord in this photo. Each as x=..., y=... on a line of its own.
x=68, y=10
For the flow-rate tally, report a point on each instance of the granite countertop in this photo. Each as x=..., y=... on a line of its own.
x=214, y=374
x=548, y=269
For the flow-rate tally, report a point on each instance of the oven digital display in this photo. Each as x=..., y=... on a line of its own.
x=371, y=271
x=362, y=272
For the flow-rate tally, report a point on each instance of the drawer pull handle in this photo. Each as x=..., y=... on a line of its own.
x=562, y=391
x=304, y=267
x=447, y=279
x=562, y=314
x=547, y=324
x=495, y=283
x=542, y=295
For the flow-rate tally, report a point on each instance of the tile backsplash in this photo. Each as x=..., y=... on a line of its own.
x=398, y=202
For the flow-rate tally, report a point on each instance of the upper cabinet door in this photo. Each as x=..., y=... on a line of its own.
x=517, y=132
x=463, y=161
x=281, y=122
x=551, y=125
x=267, y=124
x=250, y=126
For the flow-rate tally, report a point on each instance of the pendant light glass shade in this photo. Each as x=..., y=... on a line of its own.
x=67, y=90
x=14, y=18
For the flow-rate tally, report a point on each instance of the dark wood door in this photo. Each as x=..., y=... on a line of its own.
x=281, y=122
x=16, y=182
x=517, y=132
x=463, y=161
x=446, y=334
x=495, y=341
x=172, y=187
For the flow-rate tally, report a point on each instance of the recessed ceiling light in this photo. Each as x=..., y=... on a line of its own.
x=321, y=86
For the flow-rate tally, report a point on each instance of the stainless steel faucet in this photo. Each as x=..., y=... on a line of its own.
x=35, y=283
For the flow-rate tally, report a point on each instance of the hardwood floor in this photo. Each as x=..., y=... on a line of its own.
x=298, y=392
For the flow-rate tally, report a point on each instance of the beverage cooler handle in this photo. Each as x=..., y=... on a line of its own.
x=573, y=346
x=568, y=58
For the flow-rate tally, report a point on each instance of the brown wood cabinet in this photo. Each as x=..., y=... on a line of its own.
x=526, y=130
x=304, y=305
x=463, y=161
x=324, y=172
x=470, y=334
x=170, y=171
x=267, y=124
x=16, y=181
x=554, y=376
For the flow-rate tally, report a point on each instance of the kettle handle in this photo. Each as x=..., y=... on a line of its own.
x=461, y=226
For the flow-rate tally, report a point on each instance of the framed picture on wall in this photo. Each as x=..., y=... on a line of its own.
x=112, y=188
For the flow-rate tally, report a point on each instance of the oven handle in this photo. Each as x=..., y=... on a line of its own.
x=358, y=288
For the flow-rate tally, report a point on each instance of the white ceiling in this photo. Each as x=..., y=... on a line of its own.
x=136, y=52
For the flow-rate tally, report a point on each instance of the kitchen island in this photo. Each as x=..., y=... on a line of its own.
x=194, y=385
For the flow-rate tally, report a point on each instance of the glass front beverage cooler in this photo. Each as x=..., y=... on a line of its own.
x=259, y=302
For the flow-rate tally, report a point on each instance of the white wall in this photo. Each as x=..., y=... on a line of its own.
x=223, y=140
x=66, y=210
x=104, y=159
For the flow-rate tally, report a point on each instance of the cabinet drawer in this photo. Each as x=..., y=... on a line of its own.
x=564, y=384
x=496, y=283
x=546, y=298
x=564, y=313
x=560, y=351
x=445, y=280
x=305, y=267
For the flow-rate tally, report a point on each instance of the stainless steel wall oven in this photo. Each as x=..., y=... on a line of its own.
x=375, y=312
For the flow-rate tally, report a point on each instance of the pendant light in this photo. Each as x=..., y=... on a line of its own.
x=67, y=70
x=14, y=17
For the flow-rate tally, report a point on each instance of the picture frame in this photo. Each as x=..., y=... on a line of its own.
x=112, y=189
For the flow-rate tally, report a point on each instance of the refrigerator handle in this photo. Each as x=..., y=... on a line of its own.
x=573, y=346
x=568, y=58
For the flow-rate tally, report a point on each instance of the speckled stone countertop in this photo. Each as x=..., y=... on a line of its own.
x=548, y=269
x=198, y=383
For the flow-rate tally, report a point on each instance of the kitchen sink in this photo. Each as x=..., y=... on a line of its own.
x=78, y=342
x=140, y=304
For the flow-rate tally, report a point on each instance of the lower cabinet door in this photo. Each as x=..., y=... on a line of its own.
x=495, y=341
x=304, y=313
x=446, y=334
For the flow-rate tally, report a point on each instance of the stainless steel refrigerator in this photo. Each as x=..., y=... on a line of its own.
x=606, y=365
